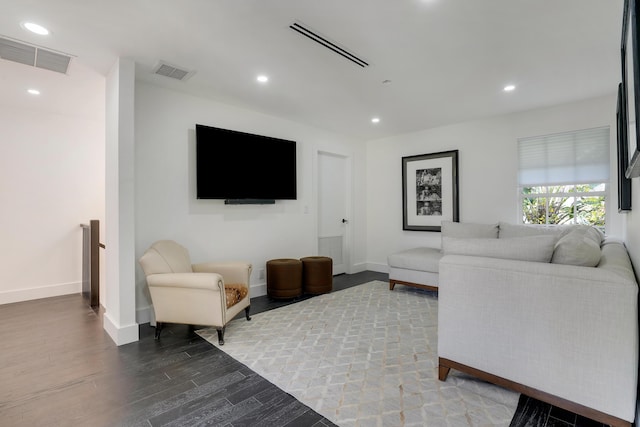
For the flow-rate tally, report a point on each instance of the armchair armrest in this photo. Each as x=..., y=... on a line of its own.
x=210, y=281
x=188, y=298
x=232, y=272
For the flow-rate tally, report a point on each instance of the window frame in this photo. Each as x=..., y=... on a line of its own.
x=575, y=194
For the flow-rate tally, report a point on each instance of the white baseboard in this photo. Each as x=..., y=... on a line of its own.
x=358, y=268
x=258, y=290
x=18, y=295
x=145, y=315
x=120, y=334
x=378, y=267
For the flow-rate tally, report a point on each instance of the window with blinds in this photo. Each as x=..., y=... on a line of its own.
x=563, y=178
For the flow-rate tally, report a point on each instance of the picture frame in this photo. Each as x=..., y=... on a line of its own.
x=429, y=190
x=624, y=183
x=630, y=65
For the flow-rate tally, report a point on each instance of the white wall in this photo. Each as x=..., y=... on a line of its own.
x=167, y=208
x=632, y=224
x=51, y=181
x=488, y=166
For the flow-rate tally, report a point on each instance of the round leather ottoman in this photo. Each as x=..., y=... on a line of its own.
x=317, y=274
x=284, y=278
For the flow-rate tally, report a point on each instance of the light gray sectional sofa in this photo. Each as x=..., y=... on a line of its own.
x=549, y=312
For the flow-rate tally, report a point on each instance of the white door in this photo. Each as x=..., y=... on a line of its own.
x=333, y=222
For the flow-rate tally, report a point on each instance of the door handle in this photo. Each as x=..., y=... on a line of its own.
x=344, y=221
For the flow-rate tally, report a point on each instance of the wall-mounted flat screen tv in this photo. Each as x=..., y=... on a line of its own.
x=244, y=168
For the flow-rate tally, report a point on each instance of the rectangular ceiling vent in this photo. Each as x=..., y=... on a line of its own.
x=313, y=35
x=36, y=56
x=172, y=71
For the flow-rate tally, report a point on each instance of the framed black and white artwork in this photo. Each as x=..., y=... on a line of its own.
x=429, y=190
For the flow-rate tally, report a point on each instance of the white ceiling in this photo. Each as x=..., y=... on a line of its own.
x=447, y=60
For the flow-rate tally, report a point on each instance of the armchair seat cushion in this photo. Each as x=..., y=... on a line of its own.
x=235, y=293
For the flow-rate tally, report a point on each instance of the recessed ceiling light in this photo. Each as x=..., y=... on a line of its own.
x=375, y=120
x=509, y=88
x=33, y=91
x=35, y=28
x=262, y=79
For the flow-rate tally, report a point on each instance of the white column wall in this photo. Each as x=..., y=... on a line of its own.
x=488, y=165
x=119, y=318
x=166, y=206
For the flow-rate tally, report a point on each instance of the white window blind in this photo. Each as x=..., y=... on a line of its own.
x=564, y=158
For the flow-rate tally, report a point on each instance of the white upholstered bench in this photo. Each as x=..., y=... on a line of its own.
x=417, y=267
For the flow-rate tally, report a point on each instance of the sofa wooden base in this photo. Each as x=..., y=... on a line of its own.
x=393, y=283
x=445, y=365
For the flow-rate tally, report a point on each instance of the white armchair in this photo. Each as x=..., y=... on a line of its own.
x=194, y=294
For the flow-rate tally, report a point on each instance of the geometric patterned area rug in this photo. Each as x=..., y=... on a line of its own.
x=365, y=356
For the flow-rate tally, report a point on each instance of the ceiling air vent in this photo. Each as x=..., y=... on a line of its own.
x=172, y=71
x=313, y=35
x=24, y=53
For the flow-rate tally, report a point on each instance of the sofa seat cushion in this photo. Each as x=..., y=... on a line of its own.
x=530, y=248
x=580, y=246
x=421, y=259
x=235, y=293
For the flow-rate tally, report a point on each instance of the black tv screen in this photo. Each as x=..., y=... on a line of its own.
x=241, y=166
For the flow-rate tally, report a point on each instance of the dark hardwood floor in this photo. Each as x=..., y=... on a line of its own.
x=58, y=367
x=533, y=413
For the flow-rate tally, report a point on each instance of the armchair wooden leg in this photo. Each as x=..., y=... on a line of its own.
x=246, y=312
x=158, y=329
x=221, y=335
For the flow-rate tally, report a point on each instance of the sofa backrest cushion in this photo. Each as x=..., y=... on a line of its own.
x=529, y=248
x=469, y=230
x=508, y=231
x=580, y=246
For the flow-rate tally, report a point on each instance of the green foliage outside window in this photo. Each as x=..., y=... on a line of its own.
x=564, y=204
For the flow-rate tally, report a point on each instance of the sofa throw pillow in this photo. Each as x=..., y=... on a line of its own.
x=581, y=246
x=530, y=248
x=469, y=230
